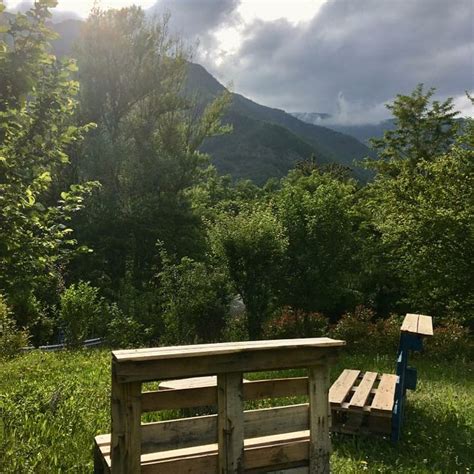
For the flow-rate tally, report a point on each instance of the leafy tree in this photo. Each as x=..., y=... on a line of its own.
x=252, y=246
x=316, y=211
x=195, y=297
x=422, y=217
x=145, y=150
x=37, y=131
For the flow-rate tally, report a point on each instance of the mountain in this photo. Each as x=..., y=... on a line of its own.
x=260, y=157
x=265, y=142
x=363, y=132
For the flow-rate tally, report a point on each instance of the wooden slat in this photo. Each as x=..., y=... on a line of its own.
x=418, y=324
x=341, y=387
x=193, y=382
x=187, y=432
x=206, y=396
x=320, y=444
x=199, y=350
x=248, y=361
x=362, y=392
x=126, y=419
x=195, y=460
x=384, y=398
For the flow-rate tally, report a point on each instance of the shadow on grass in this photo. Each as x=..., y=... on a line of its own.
x=441, y=443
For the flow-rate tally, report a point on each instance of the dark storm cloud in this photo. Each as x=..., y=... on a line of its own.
x=198, y=19
x=356, y=55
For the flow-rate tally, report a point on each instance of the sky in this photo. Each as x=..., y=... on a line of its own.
x=347, y=58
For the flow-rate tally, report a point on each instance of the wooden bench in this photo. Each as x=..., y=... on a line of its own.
x=368, y=401
x=292, y=439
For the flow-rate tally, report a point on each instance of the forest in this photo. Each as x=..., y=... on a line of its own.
x=115, y=224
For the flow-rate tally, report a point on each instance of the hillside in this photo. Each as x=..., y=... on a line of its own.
x=266, y=142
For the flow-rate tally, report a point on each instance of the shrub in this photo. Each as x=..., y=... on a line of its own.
x=124, y=331
x=291, y=323
x=450, y=341
x=355, y=328
x=81, y=308
x=12, y=339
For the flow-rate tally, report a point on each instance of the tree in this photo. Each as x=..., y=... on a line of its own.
x=252, y=246
x=37, y=131
x=145, y=150
x=316, y=211
x=423, y=215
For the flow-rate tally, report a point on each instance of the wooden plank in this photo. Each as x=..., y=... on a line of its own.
x=418, y=324
x=320, y=444
x=384, y=398
x=230, y=423
x=255, y=457
x=199, y=350
x=206, y=396
x=425, y=325
x=248, y=361
x=126, y=432
x=193, y=382
x=363, y=391
x=188, y=432
x=342, y=386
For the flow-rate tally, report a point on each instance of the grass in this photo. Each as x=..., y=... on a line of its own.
x=53, y=404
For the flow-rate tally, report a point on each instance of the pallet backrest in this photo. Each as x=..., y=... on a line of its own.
x=228, y=428
x=414, y=328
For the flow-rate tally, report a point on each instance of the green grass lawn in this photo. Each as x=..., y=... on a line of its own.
x=53, y=404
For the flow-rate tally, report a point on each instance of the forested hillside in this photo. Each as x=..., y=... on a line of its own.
x=115, y=223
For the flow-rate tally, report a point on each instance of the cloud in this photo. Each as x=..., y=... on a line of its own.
x=57, y=15
x=353, y=57
x=198, y=20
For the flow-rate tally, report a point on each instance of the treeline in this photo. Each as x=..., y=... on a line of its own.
x=114, y=224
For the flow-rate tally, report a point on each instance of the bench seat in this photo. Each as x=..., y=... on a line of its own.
x=362, y=401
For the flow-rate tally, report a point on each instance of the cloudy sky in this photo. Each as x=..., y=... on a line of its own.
x=344, y=57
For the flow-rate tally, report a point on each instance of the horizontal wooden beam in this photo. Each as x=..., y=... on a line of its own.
x=248, y=361
x=207, y=396
x=202, y=430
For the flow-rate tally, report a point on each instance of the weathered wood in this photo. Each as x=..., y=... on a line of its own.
x=320, y=444
x=239, y=361
x=206, y=396
x=230, y=423
x=342, y=386
x=418, y=324
x=126, y=431
x=362, y=392
x=385, y=396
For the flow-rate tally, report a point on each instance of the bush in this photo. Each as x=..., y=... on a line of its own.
x=450, y=341
x=81, y=308
x=124, y=331
x=195, y=300
x=291, y=323
x=12, y=339
x=355, y=328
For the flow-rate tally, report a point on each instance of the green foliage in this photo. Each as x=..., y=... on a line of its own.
x=422, y=219
x=290, y=323
x=316, y=211
x=252, y=246
x=195, y=298
x=12, y=339
x=37, y=104
x=123, y=331
x=80, y=312
x=450, y=341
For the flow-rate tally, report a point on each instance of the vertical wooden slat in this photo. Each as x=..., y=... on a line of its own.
x=320, y=444
x=230, y=424
x=126, y=430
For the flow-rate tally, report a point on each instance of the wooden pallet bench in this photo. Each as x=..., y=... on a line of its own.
x=287, y=439
x=373, y=402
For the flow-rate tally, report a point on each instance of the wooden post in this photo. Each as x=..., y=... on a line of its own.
x=126, y=430
x=320, y=444
x=230, y=424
